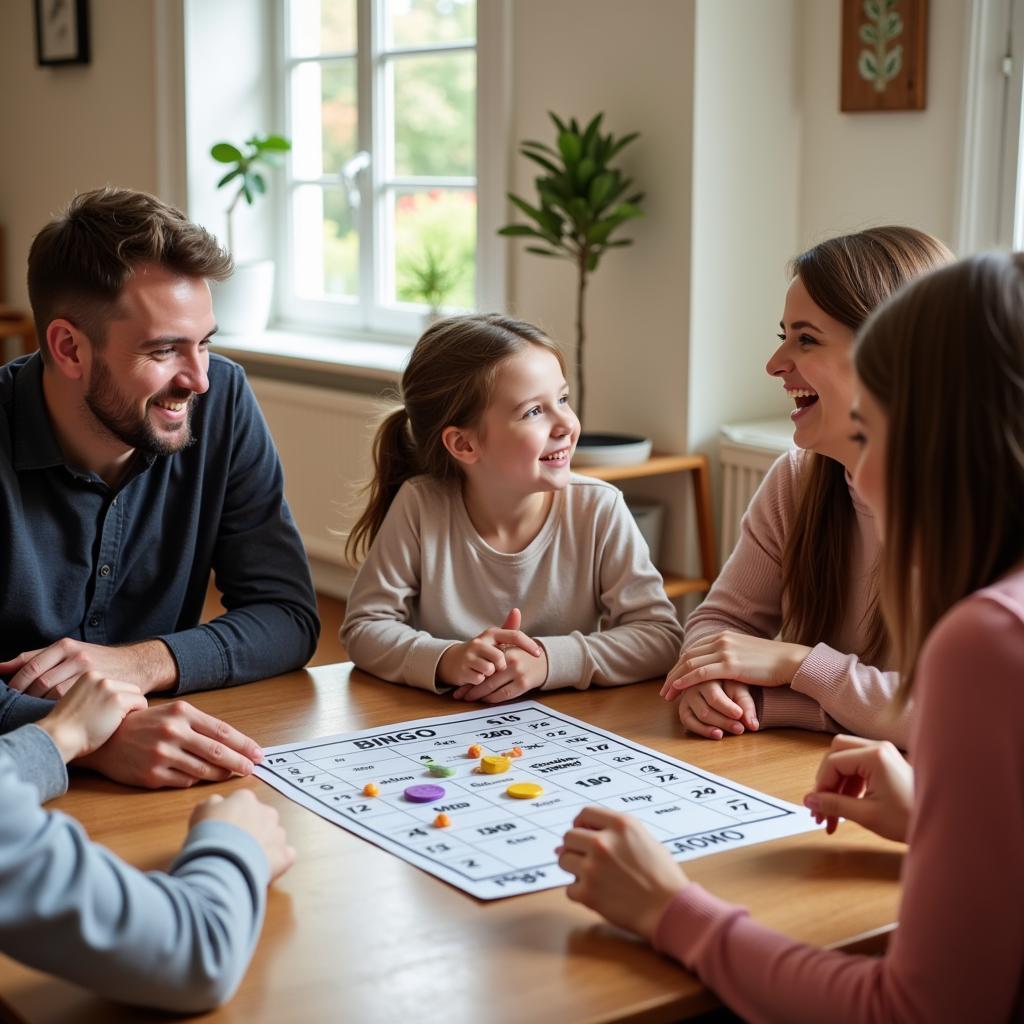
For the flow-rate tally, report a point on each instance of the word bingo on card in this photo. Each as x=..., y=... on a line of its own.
x=481, y=799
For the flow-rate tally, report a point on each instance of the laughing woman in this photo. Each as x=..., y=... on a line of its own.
x=941, y=433
x=791, y=633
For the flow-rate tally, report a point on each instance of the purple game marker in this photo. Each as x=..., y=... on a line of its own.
x=424, y=794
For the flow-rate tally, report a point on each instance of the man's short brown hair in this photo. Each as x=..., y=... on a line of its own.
x=81, y=261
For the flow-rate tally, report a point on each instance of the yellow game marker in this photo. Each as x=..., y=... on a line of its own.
x=525, y=790
x=371, y=789
x=494, y=764
x=442, y=821
x=475, y=751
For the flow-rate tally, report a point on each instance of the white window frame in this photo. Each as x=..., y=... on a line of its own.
x=367, y=316
x=990, y=206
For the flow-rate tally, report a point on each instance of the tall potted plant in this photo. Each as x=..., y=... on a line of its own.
x=582, y=202
x=243, y=302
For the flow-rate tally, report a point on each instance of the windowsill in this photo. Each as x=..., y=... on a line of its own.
x=283, y=349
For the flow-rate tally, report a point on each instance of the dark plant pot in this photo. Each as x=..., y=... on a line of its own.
x=611, y=450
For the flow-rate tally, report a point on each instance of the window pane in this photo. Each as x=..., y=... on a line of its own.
x=426, y=22
x=325, y=117
x=325, y=244
x=435, y=114
x=435, y=243
x=322, y=26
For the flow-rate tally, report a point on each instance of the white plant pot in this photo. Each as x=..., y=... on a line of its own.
x=242, y=303
x=611, y=450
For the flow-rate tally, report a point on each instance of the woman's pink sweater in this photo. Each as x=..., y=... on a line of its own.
x=833, y=691
x=958, y=954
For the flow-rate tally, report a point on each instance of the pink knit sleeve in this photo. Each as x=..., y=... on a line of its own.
x=856, y=697
x=958, y=951
x=747, y=596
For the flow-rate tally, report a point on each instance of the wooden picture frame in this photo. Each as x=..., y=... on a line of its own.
x=62, y=32
x=883, y=58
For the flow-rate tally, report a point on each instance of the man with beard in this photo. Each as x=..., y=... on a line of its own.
x=132, y=463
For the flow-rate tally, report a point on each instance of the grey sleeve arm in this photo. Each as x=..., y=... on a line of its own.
x=177, y=941
x=36, y=760
x=17, y=709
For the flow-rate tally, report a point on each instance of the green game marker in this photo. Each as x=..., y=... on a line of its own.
x=440, y=771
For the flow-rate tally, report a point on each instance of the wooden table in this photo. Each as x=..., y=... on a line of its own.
x=355, y=934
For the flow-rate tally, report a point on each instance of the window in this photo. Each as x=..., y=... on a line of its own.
x=990, y=209
x=384, y=182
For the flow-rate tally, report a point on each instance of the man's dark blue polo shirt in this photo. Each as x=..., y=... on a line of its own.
x=107, y=566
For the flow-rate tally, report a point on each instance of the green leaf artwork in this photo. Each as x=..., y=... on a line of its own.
x=881, y=64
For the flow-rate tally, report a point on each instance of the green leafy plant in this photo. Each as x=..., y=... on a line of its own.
x=880, y=65
x=247, y=164
x=432, y=277
x=583, y=201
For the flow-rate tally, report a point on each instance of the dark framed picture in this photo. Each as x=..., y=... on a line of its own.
x=62, y=32
x=884, y=55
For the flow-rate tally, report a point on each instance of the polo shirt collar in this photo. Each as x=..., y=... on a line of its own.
x=35, y=445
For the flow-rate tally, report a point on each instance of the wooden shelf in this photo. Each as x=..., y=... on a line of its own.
x=680, y=586
x=656, y=465
x=661, y=464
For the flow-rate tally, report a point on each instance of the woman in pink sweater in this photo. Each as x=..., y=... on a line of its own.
x=791, y=633
x=939, y=422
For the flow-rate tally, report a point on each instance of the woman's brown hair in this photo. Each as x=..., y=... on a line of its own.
x=848, y=278
x=945, y=361
x=447, y=382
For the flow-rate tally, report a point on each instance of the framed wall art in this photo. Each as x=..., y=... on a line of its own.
x=883, y=56
x=62, y=32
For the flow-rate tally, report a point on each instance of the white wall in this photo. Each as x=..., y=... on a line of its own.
x=746, y=162
x=858, y=170
x=69, y=129
x=744, y=156
x=634, y=62
x=234, y=36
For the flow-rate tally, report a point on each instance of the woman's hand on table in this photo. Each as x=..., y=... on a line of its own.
x=621, y=870
x=90, y=713
x=866, y=781
x=243, y=810
x=715, y=709
x=734, y=656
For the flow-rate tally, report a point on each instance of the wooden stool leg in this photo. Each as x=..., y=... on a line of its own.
x=705, y=521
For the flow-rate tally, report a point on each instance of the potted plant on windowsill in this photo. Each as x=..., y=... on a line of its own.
x=242, y=303
x=582, y=203
x=432, y=278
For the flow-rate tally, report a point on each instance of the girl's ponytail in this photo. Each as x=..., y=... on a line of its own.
x=394, y=462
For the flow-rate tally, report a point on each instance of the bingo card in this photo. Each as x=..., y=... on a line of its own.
x=482, y=798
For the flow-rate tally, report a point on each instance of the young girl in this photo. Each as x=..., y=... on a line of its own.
x=177, y=940
x=805, y=564
x=491, y=569
x=939, y=424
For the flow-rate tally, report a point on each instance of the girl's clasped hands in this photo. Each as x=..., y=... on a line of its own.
x=497, y=665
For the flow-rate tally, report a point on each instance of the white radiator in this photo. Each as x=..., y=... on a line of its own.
x=324, y=436
x=747, y=451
